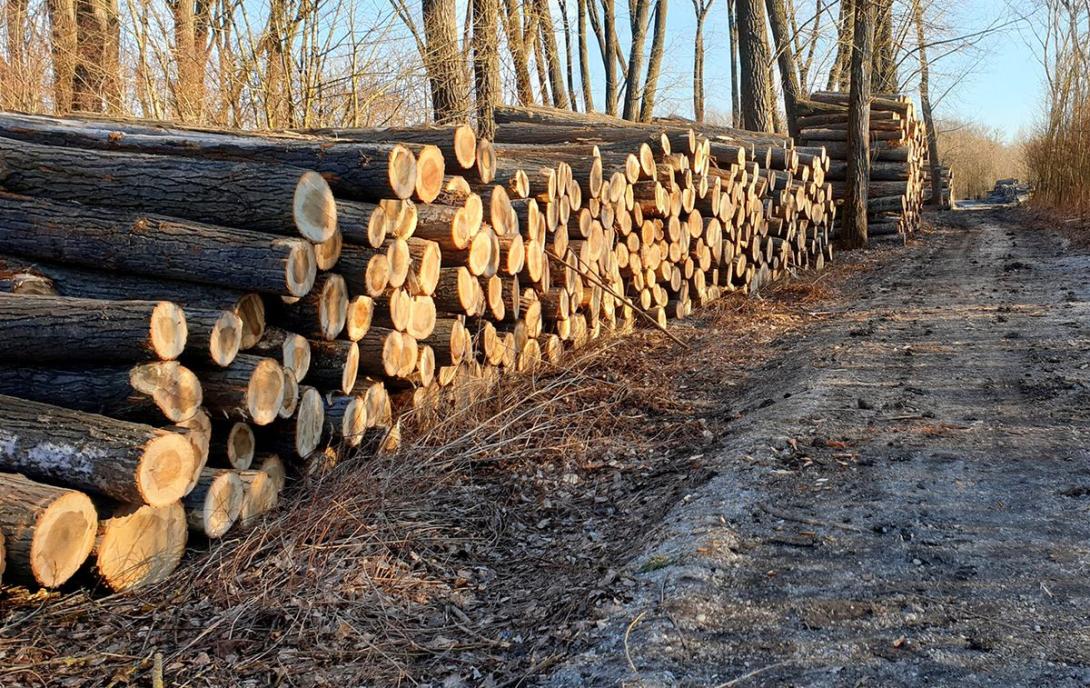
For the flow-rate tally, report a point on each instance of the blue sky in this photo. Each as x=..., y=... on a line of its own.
x=997, y=83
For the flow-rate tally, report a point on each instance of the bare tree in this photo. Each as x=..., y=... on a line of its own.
x=516, y=43
x=552, y=57
x=854, y=228
x=15, y=92
x=584, y=57
x=96, y=84
x=486, y=64
x=839, y=72
x=568, y=56
x=192, y=19
x=654, y=66
x=925, y=105
x=884, y=70
x=639, y=16
x=701, y=7
x=735, y=90
x=754, y=88
x=789, y=76
x=443, y=61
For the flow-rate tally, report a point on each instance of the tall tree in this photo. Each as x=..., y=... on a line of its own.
x=486, y=64
x=839, y=71
x=516, y=43
x=638, y=20
x=443, y=61
x=925, y=105
x=63, y=38
x=191, y=49
x=552, y=57
x=610, y=45
x=701, y=7
x=853, y=233
x=96, y=84
x=16, y=91
x=568, y=56
x=654, y=66
x=754, y=58
x=789, y=75
x=884, y=71
x=735, y=91
x=584, y=57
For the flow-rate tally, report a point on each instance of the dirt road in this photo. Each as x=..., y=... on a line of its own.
x=912, y=511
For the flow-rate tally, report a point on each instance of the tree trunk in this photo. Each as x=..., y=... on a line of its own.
x=735, y=88
x=884, y=69
x=486, y=70
x=854, y=231
x=322, y=312
x=370, y=170
x=520, y=57
x=839, y=71
x=702, y=7
x=300, y=435
x=569, y=63
x=64, y=38
x=280, y=200
x=789, y=76
x=16, y=92
x=291, y=349
x=252, y=389
x=754, y=60
x=443, y=61
x=149, y=392
x=49, y=531
x=213, y=505
x=191, y=23
x=334, y=365
x=584, y=57
x=140, y=545
x=612, y=46
x=127, y=461
x=96, y=81
x=654, y=66
x=552, y=54
x=638, y=22
x=937, y=196
x=50, y=329
x=149, y=245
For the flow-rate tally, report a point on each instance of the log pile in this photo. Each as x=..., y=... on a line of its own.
x=898, y=156
x=947, y=199
x=189, y=317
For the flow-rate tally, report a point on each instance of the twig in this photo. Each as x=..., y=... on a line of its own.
x=744, y=677
x=627, y=632
x=807, y=520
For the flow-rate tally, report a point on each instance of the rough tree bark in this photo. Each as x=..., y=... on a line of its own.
x=925, y=105
x=443, y=61
x=486, y=64
x=584, y=57
x=609, y=21
x=96, y=78
x=15, y=93
x=789, y=75
x=854, y=232
x=701, y=8
x=884, y=70
x=191, y=50
x=568, y=55
x=838, y=73
x=735, y=91
x=552, y=57
x=754, y=87
x=654, y=66
x=638, y=20
x=64, y=35
x=516, y=43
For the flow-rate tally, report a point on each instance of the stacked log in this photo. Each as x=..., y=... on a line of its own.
x=898, y=156
x=946, y=199
x=189, y=355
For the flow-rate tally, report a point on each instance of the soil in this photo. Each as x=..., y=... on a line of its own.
x=874, y=475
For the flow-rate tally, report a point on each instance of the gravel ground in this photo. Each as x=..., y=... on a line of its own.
x=902, y=502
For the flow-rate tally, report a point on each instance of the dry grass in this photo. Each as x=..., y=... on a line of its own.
x=483, y=547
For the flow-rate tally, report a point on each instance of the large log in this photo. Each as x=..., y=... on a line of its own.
x=215, y=502
x=300, y=435
x=232, y=445
x=214, y=336
x=127, y=461
x=345, y=419
x=287, y=201
x=291, y=349
x=368, y=172
x=139, y=544
x=457, y=142
x=251, y=389
x=44, y=329
x=85, y=283
x=155, y=246
x=322, y=312
x=148, y=392
x=48, y=532
x=334, y=365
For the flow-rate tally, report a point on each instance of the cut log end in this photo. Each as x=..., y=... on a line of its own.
x=251, y=311
x=349, y=372
x=402, y=172
x=430, y=170
x=173, y=387
x=225, y=339
x=332, y=306
x=261, y=495
x=166, y=469
x=141, y=545
x=313, y=208
x=309, y=419
x=465, y=146
x=265, y=392
x=296, y=355
x=328, y=252
x=291, y=394
x=168, y=330
x=358, y=317
x=377, y=274
x=486, y=161
x=222, y=504
x=354, y=422
x=240, y=445
x=301, y=268
x=63, y=538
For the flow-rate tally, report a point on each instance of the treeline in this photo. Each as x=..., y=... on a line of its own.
x=978, y=157
x=1057, y=154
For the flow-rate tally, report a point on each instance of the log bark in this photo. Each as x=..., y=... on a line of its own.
x=155, y=246
x=366, y=170
x=214, y=336
x=140, y=545
x=290, y=348
x=345, y=419
x=48, y=531
x=282, y=200
x=322, y=312
x=43, y=329
x=127, y=461
x=261, y=494
x=754, y=58
x=334, y=365
x=251, y=389
x=232, y=445
x=443, y=62
x=215, y=502
x=300, y=435
x=149, y=392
